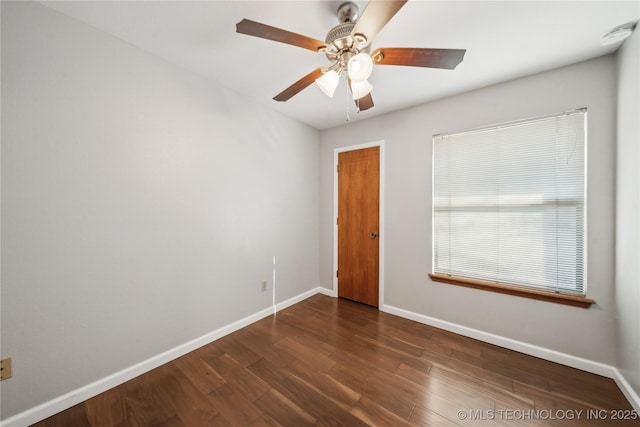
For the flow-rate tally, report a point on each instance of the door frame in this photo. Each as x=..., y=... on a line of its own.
x=381, y=234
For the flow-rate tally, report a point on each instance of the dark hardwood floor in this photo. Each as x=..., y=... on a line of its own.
x=332, y=362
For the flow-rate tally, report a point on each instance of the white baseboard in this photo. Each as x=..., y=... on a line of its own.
x=52, y=407
x=294, y=300
x=327, y=292
x=530, y=349
x=627, y=390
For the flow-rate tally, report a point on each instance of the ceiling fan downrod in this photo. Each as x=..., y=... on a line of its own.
x=348, y=12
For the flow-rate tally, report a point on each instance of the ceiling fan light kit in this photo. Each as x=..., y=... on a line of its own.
x=360, y=67
x=347, y=46
x=360, y=89
x=328, y=82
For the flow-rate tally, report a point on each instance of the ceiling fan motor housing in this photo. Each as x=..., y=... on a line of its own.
x=340, y=35
x=341, y=43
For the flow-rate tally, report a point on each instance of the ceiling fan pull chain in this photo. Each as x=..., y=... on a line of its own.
x=348, y=101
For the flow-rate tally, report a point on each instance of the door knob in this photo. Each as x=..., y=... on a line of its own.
x=373, y=235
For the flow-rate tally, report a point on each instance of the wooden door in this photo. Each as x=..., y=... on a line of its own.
x=358, y=225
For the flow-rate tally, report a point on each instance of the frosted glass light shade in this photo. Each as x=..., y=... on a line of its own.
x=360, y=89
x=328, y=82
x=360, y=67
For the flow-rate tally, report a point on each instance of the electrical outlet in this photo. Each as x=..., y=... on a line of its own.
x=5, y=369
x=263, y=287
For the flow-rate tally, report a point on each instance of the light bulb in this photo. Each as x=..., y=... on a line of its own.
x=360, y=67
x=328, y=82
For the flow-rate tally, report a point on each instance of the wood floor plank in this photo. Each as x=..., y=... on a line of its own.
x=324, y=383
x=430, y=385
x=399, y=352
x=351, y=376
x=143, y=402
x=546, y=400
x=233, y=406
x=514, y=372
x=232, y=372
x=306, y=353
x=446, y=361
x=390, y=342
x=450, y=341
x=363, y=352
x=320, y=326
x=375, y=415
x=282, y=411
x=475, y=385
x=262, y=422
x=422, y=416
x=608, y=394
x=333, y=362
x=406, y=335
x=316, y=404
x=234, y=346
x=497, y=354
x=317, y=343
x=106, y=408
x=393, y=393
x=200, y=373
x=76, y=415
x=380, y=387
x=177, y=392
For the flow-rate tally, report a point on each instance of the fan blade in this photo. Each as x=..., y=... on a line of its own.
x=365, y=102
x=415, y=57
x=292, y=90
x=257, y=29
x=375, y=16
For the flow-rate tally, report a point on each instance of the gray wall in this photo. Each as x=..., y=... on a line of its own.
x=628, y=212
x=141, y=205
x=589, y=334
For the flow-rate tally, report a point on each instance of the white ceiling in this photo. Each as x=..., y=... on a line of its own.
x=504, y=40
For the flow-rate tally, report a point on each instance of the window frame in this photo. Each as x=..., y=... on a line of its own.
x=577, y=299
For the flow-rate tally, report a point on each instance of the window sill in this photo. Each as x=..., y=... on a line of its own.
x=573, y=300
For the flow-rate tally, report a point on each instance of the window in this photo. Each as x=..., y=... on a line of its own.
x=508, y=204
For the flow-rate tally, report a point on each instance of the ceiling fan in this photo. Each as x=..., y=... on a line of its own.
x=347, y=46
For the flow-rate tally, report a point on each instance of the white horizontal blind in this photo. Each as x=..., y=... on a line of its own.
x=508, y=203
